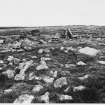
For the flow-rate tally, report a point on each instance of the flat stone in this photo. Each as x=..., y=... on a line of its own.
x=89, y=51
x=101, y=62
x=79, y=88
x=9, y=73
x=81, y=63
x=83, y=77
x=48, y=79
x=65, y=97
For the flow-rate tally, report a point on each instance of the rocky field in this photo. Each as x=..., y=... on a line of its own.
x=52, y=65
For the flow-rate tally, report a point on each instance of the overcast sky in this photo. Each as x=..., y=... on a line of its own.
x=51, y=12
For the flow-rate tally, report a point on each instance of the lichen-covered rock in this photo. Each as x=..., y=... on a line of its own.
x=60, y=82
x=25, y=98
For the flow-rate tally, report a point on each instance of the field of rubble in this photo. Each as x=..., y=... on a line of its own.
x=45, y=65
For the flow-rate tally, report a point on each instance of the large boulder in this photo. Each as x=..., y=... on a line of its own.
x=89, y=51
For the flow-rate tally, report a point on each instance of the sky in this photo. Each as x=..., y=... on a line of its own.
x=51, y=12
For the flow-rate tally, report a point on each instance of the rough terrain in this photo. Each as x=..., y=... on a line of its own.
x=45, y=65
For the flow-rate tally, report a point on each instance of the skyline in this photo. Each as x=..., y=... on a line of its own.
x=51, y=12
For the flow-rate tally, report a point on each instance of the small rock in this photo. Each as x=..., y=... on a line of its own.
x=9, y=73
x=60, y=82
x=101, y=62
x=89, y=51
x=10, y=58
x=70, y=48
x=45, y=59
x=25, y=98
x=45, y=97
x=40, y=51
x=7, y=91
x=54, y=73
x=31, y=76
x=70, y=65
x=84, y=77
x=42, y=66
x=24, y=66
x=62, y=48
x=16, y=61
x=37, y=88
x=1, y=61
x=79, y=88
x=1, y=41
x=48, y=79
x=65, y=97
x=81, y=63
x=19, y=77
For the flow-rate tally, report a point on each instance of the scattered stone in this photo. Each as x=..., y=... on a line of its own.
x=89, y=51
x=25, y=98
x=60, y=82
x=65, y=97
x=37, y=88
x=45, y=97
x=79, y=88
x=81, y=63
